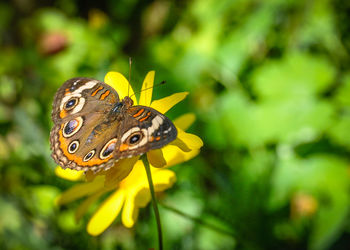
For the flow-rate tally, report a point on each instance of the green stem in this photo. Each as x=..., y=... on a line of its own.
x=154, y=201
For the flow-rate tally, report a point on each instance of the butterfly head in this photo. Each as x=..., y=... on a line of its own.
x=120, y=107
x=128, y=102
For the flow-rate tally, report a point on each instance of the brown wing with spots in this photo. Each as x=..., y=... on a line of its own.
x=82, y=128
x=142, y=130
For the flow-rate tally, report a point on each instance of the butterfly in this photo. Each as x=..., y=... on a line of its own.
x=93, y=128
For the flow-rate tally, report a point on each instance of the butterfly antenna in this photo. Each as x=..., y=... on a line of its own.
x=130, y=62
x=161, y=83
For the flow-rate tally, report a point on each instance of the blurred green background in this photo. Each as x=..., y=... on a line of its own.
x=269, y=82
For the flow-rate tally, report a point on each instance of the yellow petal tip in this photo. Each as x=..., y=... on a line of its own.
x=69, y=174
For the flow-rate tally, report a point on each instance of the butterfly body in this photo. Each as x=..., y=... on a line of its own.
x=93, y=128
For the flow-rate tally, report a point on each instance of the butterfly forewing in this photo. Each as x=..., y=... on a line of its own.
x=82, y=96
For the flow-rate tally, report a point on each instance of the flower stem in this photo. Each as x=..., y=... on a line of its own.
x=154, y=201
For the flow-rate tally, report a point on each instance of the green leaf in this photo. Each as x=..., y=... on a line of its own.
x=330, y=220
x=295, y=76
x=66, y=221
x=276, y=121
x=42, y=199
x=339, y=132
x=342, y=96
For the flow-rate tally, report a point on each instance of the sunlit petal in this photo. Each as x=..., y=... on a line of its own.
x=106, y=213
x=173, y=155
x=69, y=174
x=80, y=190
x=191, y=140
x=166, y=103
x=131, y=209
x=136, y=176
x=84, y=206
x=140, y=196
x=147, y=89
x=156, y=158
x=163, y=179
x=143, y=195
x=119, y=171
x=185, y=121
x=120, y=84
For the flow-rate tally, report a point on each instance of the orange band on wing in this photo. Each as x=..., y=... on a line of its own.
x=97, y=90
x=104, y=95
x=139, y=113
x=146, y=117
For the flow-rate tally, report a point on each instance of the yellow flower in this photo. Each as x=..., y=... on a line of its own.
x=127, y=180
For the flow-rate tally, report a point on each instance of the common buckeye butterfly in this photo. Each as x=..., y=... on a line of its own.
x=93, y=128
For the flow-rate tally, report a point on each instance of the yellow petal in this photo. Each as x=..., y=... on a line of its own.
x=191, y=140
x=84, y=206
x=135, y=177
x=185, y=121
x=147, y=89
x=139, y=196
x=166, y=103
x=156, y=158
x=106, y=213
x=131, y=209
x=163, y=179
x=129, y=214
x=80, y=190
x=173, y=155
x=119, y=171
x=120, y=84
x=143, y=195
x=69, y=174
